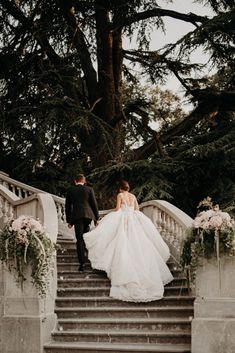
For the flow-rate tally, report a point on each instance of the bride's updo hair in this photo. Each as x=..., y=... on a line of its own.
x=124, y=185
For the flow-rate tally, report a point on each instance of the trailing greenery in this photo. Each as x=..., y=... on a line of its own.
x=24, y=245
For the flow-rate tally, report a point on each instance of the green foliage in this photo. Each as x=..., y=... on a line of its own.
x=58, y=119
x=198, y=164
x=148, y=180
x=23, y=245
x=205, y=165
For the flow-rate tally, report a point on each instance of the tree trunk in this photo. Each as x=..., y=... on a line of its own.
x=109, y=108
x=104, y=40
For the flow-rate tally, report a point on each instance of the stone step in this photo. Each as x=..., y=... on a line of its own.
x=103, y=282
x=72, y=266
x=66, y=244
x=122, y=312
x=94, y=347
x=71, y=257
x=76, y=274
x=123, y=336
x=83, y=282
x=91, y=273
x=104, y=291
x=107, y=301
x=176, y=324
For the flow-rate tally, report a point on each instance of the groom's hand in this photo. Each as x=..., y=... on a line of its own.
x=70, y=226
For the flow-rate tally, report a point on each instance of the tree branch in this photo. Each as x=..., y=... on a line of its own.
x=150, y=58
x=156, y=138
x=14, y=11
x=191, y=17
x=212, y=103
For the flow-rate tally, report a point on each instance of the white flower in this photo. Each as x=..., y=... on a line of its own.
x=225, y=216
x=35, y=225
x=197, y=222
x=206, y=215
x=16, y=225
x=205, y=225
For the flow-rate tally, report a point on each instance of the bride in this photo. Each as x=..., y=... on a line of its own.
x=128, y=247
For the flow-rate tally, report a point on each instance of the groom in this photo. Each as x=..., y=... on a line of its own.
x=81, y=208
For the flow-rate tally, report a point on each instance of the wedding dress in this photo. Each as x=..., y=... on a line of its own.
x=128, y=247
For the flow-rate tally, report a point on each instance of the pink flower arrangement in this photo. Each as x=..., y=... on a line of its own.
x=212, y=233
x=26, y=224
x=212, y=219
x=24, y=242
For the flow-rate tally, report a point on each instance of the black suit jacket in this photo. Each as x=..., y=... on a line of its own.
x=80, y=203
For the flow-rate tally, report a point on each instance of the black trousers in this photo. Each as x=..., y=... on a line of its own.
x=81, y=226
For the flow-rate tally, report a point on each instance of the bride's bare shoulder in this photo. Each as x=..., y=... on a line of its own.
x=132, y=195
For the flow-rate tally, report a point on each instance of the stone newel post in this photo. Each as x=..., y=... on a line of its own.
x=213, y=326
x=26, y=320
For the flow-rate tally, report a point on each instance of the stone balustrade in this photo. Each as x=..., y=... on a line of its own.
x=169, y=220
x=23, y=190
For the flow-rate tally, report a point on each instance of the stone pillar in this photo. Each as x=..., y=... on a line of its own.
x=1, y=305
x=213, y=326
x=27, y=320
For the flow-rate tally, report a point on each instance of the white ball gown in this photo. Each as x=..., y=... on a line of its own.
x=128, y=247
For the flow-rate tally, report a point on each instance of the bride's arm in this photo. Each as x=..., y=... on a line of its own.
x=136, y=206
x=118, y=203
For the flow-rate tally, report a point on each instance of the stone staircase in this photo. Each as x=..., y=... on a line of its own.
x=90, y=321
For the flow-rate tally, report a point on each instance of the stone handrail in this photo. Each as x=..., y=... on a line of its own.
x=169, y=220
x=23, y=190
x=40, y=206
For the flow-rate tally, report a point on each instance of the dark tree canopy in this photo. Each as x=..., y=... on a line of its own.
x=70, y=99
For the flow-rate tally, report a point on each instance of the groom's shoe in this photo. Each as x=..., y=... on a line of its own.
x=81, y=268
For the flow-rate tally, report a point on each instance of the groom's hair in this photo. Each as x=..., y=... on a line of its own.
x=80, y=178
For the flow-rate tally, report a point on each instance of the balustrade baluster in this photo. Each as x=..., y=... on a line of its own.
x=13, y=189
x=159, y=216
x=156, y=217
x=1, y=206
x=28, y=193
x=4, y=211
x=168, y=226
x=19, y=192
x=5, y=184
x=59, y=212
x=63, y=217
x=163, y=216
x=174, y=227
x=10, y=212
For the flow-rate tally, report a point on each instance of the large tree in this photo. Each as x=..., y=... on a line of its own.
x=63, y=70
